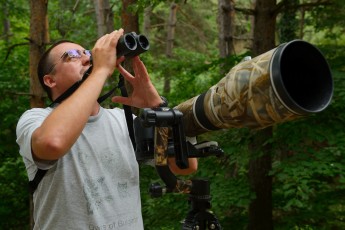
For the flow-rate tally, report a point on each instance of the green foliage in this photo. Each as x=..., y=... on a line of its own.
x=190, y=72
x=288, y=23
x=326, y=23
x=309, y=167
x=324, y=17
x=65, y=19
x=334, y=54
x=228, y=177
x=14, y=203
x=14, y=86
x=17, y=13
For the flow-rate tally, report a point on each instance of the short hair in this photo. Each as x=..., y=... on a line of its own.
x=45, y=64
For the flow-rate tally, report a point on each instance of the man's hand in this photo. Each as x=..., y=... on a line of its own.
x=104, y=52
x=144, y=94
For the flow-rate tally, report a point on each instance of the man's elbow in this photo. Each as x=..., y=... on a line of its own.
x=46, y=148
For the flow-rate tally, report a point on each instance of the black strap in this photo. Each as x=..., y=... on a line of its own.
x=66, y=94
x=33, y=184
x=128, y=111
x=71, y=89
x=105, y=96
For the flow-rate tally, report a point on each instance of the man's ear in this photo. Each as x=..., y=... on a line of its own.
x=49, y=80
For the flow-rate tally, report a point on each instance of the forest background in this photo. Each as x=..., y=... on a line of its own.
x=292, y=179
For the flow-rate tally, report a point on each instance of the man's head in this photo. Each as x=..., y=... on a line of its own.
x=63, y=64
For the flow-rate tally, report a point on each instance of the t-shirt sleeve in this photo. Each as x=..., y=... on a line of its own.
x=27, y=124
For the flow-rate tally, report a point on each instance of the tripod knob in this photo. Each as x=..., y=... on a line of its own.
x=156, y=190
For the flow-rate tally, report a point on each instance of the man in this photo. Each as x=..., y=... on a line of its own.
x=92, y=180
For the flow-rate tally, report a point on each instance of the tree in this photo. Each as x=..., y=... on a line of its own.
x=264, y=26
x=226, y=18
x=6, y=23
x=129, y=17
x=130, y=23
x=38, y=39
x=260, y=211
x=147, y=21
x=104, y=16
x=171, y=24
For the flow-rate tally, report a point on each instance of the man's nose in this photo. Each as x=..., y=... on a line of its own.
x=85, y=59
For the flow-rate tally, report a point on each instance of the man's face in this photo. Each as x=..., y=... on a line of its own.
x=67, y=70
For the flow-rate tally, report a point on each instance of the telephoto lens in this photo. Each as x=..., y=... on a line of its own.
x=283, y=84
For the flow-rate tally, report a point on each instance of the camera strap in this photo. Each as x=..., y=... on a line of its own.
x=33, y=184
x=128, y=111
x=71, y=89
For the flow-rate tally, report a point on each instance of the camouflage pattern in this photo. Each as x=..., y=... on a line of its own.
x=161, y=146
x=183, y=186
x=161, y=158
x=243, y=98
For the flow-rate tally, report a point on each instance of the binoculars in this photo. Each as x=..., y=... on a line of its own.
x=132, y=44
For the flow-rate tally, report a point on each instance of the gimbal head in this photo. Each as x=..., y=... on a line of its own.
x=166, y=117
x=177, y=144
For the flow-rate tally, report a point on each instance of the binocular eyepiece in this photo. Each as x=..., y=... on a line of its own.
x=132, y=44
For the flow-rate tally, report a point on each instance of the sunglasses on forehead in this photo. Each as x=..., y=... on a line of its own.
x=70, y=55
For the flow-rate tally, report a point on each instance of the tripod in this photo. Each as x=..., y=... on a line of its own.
x=199, y=217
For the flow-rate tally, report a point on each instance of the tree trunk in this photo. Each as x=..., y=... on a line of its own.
x=260, y=209
x=147, y=21
x=39, y=37
x=104, y=16
x=105, y=23
x=301, y=25
x=6, y=23
x=130, y=20
x=226, y=18
x=171, y=25
x=264, y=26
x=130, y=23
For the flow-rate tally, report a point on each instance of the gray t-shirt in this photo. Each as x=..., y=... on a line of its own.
x=95, y=185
